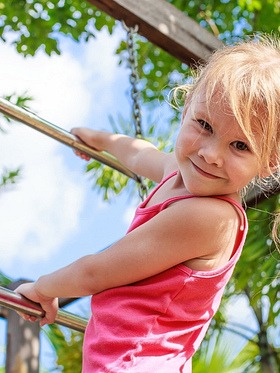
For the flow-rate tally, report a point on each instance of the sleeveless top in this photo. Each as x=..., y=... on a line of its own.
x=155, y=325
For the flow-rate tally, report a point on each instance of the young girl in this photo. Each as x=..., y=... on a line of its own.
x=156, y=290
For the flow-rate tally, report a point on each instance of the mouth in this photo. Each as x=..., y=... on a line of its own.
x=204, y=173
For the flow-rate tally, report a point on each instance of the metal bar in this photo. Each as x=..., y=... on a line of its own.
x=32, y=120
x=17, y=302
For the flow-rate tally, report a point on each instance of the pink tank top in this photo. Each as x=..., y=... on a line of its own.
x=156, y=325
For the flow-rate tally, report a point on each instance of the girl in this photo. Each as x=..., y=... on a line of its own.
x=156, y=290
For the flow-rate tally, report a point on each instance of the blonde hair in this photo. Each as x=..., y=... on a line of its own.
x=247, y=74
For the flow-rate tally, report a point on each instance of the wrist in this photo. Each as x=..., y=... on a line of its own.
x=41, y=287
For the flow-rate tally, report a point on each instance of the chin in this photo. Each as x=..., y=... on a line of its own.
x=198, y=189
x=199, y=192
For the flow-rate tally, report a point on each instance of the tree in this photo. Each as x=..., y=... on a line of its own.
x=36, y=25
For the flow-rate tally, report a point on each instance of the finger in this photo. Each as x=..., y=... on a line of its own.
x=82, y=155
x=33, y=318
x=47, y=319
x=27, y=317
x=50, y=309
x=85, y=157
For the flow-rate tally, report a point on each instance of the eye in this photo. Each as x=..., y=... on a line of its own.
x=205, y=125
x=239, y=145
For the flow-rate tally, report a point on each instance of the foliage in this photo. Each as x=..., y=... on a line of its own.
x=68, y=348
x=22, y=101
x=217, y=356
x=9, y=177
x=263, y=257
x=37, y=24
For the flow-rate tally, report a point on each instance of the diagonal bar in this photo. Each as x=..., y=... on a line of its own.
x=32, y=120
x=17, y=302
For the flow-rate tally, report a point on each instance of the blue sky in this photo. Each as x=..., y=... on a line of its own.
x=52, y=216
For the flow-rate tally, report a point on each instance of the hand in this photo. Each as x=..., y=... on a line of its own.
x=86, y=136
x=78, y=132
x=48, y=304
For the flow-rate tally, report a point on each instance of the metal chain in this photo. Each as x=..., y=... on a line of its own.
x=134, y=78
x=135, y=94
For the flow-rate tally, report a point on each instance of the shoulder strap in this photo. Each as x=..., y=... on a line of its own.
x=157, y=188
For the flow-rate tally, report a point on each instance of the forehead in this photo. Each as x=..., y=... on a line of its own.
x=216, y=104
x=216, y=108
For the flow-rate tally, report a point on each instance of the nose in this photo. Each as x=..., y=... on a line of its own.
x=212, y=154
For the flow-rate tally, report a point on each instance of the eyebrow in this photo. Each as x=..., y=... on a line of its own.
x=203, y=114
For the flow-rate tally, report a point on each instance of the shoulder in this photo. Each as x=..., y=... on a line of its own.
x=219, y=207
x=208, y=223
x=207, y=213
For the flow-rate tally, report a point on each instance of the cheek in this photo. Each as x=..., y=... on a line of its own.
x=186, y=141
x=242, y=172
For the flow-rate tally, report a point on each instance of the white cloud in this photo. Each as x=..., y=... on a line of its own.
x=57, y=83
x=42, y=211
x=43, y=208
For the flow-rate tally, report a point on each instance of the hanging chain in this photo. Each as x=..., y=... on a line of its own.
x=135, y=94
x=134, y=78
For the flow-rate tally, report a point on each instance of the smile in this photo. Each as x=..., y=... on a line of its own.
x=203, y=173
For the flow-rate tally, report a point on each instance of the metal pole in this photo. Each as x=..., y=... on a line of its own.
x=32, y=120
x=17, y=302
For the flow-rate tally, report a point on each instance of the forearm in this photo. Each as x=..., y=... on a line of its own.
x=122, y=147
x=75, y=280
x=136, y=154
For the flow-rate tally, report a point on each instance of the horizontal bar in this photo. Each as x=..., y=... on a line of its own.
x=32, y=120
x=17, y=302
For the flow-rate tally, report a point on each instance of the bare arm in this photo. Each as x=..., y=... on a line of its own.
x=139, y=156
x=172, y=237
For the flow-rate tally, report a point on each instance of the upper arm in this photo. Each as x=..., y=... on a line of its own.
x=140, y=156
x=179, y=233
x=151, y=163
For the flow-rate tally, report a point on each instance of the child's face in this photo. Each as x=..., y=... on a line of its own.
x=213, y=154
